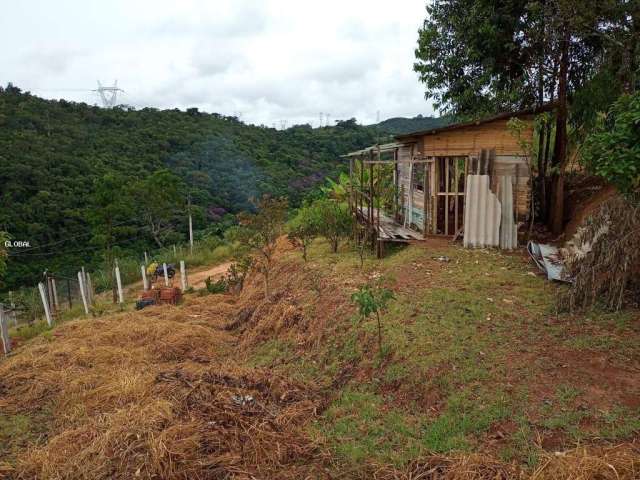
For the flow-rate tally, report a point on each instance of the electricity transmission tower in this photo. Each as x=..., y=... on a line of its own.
x=108, y=95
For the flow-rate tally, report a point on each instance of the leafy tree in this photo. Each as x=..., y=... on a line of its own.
x=613, y=150
x=260, y=231
x=110, y=215
x=159, y=199
x=304, y=228
x=338, y=190
x=478, y=56
x=372, y=300
x=334, y=219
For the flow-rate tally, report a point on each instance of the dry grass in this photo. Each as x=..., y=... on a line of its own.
x=153, y=395
x=165, y=393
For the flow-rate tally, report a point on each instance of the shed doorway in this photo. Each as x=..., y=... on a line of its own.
x=449, y=175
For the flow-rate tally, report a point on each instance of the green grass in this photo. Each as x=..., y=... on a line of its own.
x=458, y=332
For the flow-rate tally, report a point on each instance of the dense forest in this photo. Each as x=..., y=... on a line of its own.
x=400, y=125
x=66, y=169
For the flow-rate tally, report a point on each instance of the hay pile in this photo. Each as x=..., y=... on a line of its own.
x=148, y=395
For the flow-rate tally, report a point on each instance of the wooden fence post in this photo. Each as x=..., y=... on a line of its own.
x=55, y=294
x=69, y=293
x=82, y=293
x=166, y=275
x=145, y=282
x=45, y=303
x=119, y=283
x=49, y=286
x=4, y=331
x=183, y=275
x=89, y=289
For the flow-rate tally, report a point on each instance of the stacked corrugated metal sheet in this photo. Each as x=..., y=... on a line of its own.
x=482, y=214
x=508, y=227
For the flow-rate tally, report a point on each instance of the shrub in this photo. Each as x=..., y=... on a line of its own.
x=373, y=300
x=304, y=228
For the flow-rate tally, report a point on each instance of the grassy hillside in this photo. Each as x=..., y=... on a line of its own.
x=53, y=152
x=479, y=377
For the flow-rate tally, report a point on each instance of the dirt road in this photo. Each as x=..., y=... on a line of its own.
x=196, y=279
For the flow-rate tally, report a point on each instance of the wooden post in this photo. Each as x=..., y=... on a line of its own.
x=49, y=288
x=166, y=275
x=69, y=293
x=55, y=294
x=145, y=282
x=89, y=288
x=82, y=293
x=183, y=275
x=119, y=283
x=13, y=309
x=45, y=303
x=4, y=331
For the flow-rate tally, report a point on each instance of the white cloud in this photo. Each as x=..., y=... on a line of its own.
x=270, y=60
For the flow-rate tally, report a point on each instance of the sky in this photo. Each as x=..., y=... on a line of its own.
x=267, y=61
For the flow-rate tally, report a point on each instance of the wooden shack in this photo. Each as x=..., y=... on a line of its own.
x=430, y=170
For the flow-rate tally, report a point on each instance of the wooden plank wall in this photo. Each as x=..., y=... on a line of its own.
x=470, y=140
x=518, y=168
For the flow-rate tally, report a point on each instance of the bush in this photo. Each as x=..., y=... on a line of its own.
x=304, y=228
x=219, y=286
x=334, y=221
x=612, y=151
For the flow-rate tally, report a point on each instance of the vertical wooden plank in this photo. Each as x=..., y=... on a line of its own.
x=456, y=174
x=446, y=196
x=425, y=195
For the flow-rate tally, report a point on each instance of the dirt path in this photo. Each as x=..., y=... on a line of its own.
x=195, y=278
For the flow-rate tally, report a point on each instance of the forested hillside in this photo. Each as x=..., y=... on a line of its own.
x=63, y=166
x=400, y=125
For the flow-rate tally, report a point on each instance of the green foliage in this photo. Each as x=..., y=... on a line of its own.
x=372, y=300
x=477, y=56
x=260, y=231
x=53, y=152
x=613, y=151
x=4, y=237
x=219, y=286
x=338, y=190
x=304, y=227
x=160, y=200
x=335, y=220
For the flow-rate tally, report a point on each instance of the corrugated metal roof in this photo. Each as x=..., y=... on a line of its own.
x=375, y=148
x=482, y=213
